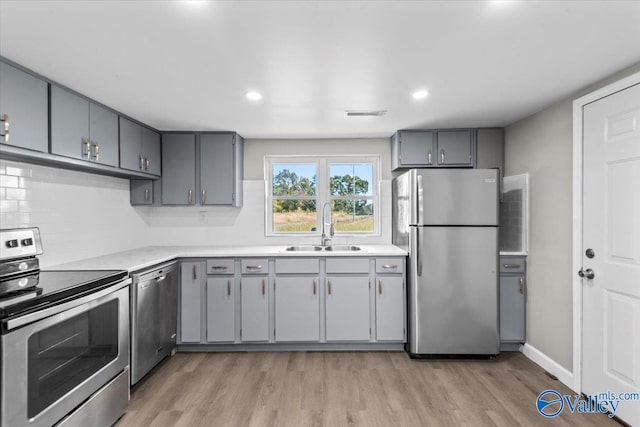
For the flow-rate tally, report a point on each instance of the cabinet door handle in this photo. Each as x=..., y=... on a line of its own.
x=146, y=164
x=146, y=195
x=204, y=196
x=141, y=162
x=190, y=197
x=429, y=157
x=511, y=265
x=379, y=287
x=96, y=150
x=5, y=119
x=229, y=287
x=329, y=286
x=314, y=287
x=263, y=287
x=194, y=273
x=442, y=156
x=86, y=148
x=522, y=285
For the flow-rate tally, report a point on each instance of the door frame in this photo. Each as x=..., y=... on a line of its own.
x=576, y=263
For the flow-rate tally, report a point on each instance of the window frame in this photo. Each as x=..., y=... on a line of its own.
x=323, y=163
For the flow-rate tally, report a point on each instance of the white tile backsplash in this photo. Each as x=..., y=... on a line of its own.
x=82, y=215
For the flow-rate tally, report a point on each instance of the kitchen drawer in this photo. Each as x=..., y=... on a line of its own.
x=255, y=266
x=347, y=265
x=221, y=266
x=389, y=265
x=512, y=264
x=295, y=266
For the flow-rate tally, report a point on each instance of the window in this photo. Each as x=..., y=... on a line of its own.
x=298, y=188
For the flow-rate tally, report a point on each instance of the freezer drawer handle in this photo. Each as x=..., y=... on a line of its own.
x=511, y=265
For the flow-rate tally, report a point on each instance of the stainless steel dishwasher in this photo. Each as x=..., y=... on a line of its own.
x=154, y=307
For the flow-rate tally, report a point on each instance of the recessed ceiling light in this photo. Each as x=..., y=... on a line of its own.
x=253, y=95
x=420, y=94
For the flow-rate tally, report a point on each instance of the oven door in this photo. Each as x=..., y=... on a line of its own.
x=56, y=358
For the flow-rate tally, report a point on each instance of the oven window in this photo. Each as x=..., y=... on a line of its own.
x=67, y=353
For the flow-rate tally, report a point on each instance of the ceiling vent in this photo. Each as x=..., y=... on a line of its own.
x=365, y=113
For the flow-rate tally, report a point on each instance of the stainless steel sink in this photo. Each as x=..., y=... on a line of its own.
x=342, y=248
x=313, y=248
x=303, y=248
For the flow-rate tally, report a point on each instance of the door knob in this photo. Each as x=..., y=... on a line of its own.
x=588, y=273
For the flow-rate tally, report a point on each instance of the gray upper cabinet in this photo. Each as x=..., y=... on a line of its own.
x=141, y=192
x=455, y=147
x=433, y=148
x=139, y=148
x=220, y=169
x=178, y=169
x=82, y=129
x=151, y=151
x=24, y=118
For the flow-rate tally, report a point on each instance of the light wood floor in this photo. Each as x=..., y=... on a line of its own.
x=340, y=389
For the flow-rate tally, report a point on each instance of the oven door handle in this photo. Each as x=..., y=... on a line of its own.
x=51, y=311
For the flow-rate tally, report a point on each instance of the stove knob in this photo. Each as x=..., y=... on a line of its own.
x=12, y=243
x=27, y=242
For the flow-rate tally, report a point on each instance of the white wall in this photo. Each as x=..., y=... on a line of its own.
x=80, y=215
x=233, y=226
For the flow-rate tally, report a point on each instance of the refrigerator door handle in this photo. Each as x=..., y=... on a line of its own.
x=420, y=201
x=419, y=249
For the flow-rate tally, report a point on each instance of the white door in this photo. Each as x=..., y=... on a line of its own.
x=611, y=229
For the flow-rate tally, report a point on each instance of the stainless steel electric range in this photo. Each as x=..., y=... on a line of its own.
x=64, y=340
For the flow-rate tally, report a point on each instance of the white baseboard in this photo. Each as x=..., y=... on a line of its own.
x=549, y=365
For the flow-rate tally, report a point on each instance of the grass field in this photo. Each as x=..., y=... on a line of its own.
x=303, y=222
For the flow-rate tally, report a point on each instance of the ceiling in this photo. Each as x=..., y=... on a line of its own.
x=187, y=65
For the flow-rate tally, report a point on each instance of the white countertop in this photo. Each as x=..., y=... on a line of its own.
x=138, y=259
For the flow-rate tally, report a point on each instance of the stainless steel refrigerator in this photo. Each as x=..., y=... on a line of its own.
x=447, y=219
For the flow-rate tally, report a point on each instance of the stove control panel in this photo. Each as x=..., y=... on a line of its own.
x=19, y=243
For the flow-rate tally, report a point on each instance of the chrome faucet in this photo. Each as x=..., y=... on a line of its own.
x=324, y=238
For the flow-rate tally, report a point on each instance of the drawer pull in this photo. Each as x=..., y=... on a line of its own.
x=511, y=265
x=390, y=266
x=254, y=267
x=219, y=267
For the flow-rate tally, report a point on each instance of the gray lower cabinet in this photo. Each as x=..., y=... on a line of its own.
x=141, y=192
x=433, y=148
x=390, y=308
x=24, y=109
x=297, y=309
x=512, y=301
x=83, y=130
x=221, y=293
x=178, y=169
x=347, y=308
x=191, y=296
x=139, y=148
x=254, y=306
